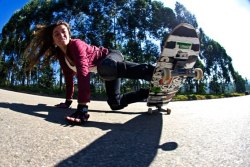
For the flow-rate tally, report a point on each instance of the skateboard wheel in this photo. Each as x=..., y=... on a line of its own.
x=166, y=74
x=168, y=111
x=150, y=110
x=198, y=73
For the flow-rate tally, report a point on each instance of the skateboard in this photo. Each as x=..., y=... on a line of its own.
x=175, y=64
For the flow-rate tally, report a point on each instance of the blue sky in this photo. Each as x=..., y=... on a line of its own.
x=7, y=8
x=225, y=21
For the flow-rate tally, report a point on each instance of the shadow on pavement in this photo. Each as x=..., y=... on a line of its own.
x=134, y=143
x=55, y=115
x=117, y=112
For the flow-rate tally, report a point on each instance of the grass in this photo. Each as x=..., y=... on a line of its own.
x=180, y=97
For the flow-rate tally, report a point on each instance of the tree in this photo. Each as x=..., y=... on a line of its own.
x=214, y=85
x=46, y=79
x=184, y=16
x=136, y=27
x=240, y=83
x=217, y=62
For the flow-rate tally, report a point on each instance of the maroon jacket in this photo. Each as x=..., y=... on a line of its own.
x=84, y=57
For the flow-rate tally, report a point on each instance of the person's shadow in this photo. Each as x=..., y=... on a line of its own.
x=53, y=114
x=134, y=143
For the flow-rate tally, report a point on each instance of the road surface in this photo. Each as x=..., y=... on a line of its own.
x=197, y=133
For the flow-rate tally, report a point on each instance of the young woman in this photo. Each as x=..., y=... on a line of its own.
x=78, y=58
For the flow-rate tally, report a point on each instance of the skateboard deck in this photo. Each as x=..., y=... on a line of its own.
x=175, y=64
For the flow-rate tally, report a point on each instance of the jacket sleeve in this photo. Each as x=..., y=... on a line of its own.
x=79, y=53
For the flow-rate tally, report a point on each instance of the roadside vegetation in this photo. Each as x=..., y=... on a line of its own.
x=180, y=97
x=56, y=92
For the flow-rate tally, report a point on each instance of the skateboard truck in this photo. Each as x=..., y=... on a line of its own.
x=196, y=73
x=159, y=109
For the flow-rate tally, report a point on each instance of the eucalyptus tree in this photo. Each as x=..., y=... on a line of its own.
x=240, y=83
x=136, y=27
x=17, y=33
x=184, y=16
x=218, y=64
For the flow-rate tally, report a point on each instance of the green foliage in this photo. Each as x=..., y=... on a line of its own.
x=46, y=80
x=180, y=98
x=211, y=96
x=134, y=27
x=33, y=89
x=196, y=97
x=204, y=96
x=240, y=83
x=184, y=16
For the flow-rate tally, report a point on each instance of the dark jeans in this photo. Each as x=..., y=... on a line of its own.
x=124, y=69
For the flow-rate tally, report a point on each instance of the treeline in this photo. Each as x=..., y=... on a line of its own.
x=136, y=27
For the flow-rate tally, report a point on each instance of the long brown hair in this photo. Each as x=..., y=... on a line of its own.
x=42, y=43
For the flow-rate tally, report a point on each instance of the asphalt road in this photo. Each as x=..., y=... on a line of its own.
x=197, y=133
